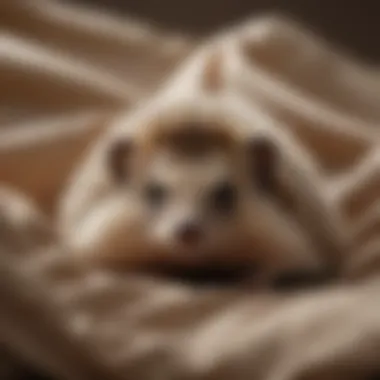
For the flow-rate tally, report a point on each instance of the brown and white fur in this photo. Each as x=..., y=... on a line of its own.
x=282, y=221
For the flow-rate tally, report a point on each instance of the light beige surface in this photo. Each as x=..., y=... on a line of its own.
x=64, y=75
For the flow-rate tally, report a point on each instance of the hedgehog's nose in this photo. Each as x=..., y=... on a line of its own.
x=190, y=233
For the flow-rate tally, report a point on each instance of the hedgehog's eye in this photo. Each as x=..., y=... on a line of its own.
x=224, y=197
x=155, y=194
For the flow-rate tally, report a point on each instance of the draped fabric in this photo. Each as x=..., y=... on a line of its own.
x=65, y=73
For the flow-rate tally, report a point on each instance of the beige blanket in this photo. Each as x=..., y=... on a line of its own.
x=65, y=73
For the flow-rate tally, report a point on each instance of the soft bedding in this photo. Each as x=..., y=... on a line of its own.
x=65, y=73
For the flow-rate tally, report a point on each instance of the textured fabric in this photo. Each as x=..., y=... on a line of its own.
x=65, y=74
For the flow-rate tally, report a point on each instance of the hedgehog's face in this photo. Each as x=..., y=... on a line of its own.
x=192, y=205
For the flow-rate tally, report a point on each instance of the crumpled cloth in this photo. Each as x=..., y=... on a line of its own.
x=65, y=74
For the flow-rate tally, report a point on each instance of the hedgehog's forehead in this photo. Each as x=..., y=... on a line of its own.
x=189, y=175
x=194, y=133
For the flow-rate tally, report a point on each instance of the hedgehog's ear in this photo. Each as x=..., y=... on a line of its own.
x=212, y=78
x=118, y=159
x=263, y=162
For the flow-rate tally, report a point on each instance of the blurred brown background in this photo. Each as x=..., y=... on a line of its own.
x=353, y=24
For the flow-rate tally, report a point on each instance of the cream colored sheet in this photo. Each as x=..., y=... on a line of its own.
x=64, y=74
